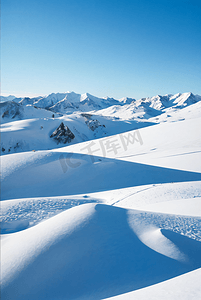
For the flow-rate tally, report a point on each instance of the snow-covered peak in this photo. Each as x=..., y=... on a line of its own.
x=10, y=98
x=69, y=102
x=27, y=101
x=174, y=96
x=126, y=100
x=178, y=100
x=72, y=97
x=186, y=99
x=49, y=100
x=84, y=96
x=7, y=98
x=87, y=96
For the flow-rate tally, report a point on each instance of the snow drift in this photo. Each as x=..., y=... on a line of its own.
x=97, y=248
x=114, y=213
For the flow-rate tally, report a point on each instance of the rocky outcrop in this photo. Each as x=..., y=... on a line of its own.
x=62, y=134
x=91, y=123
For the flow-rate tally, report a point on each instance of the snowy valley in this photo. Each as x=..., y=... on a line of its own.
x=101, y=198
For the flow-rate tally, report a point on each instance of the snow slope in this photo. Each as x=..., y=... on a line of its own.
x=113, y=217
x=12, y=111
x=33, y=133
x=113, y=246
x=186, y=286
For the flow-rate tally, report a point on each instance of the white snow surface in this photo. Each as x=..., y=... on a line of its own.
x=113, y=214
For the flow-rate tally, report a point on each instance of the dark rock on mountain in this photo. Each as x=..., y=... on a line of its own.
x=91, y=123
x=86, y=116
x=62, y=134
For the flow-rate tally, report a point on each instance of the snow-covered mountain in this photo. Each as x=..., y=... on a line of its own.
x=69, y=102
x=87, y=117
x=101, y=198
x=12, y=111
x=151, y=107
x=6, y=98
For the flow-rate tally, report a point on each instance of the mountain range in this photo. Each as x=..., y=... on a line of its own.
x=87, y=117
x=66, y=102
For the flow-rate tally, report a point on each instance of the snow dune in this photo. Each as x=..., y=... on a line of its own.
x=185, y=287
x=47, y=177
x=98, y=248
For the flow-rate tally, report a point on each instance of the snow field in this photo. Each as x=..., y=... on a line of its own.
x=112, y=251
x=114, y=215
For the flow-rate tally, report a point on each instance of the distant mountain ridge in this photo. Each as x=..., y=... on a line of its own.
x=67, y=103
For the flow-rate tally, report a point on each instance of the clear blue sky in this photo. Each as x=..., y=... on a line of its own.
x=113, y=48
